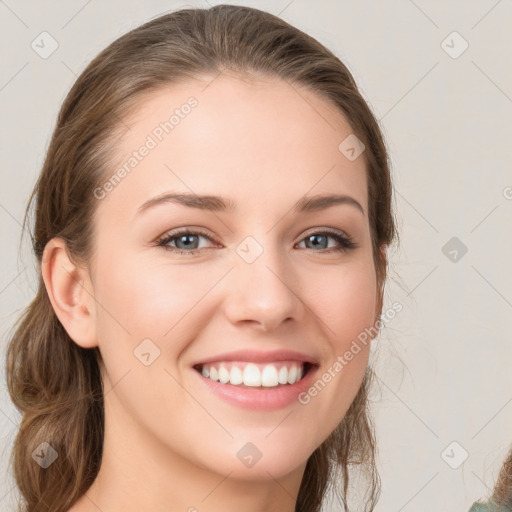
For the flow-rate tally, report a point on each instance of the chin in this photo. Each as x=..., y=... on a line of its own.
x=262, y=465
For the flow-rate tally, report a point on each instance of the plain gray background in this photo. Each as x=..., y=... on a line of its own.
x=442, y=408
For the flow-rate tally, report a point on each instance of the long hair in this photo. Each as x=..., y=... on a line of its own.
x=55, y=383
x=502, y=493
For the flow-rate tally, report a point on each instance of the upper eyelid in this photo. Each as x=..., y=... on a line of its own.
x=170, y=235
x=179, y=232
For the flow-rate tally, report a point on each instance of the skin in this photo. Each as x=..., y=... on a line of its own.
x=169, y=443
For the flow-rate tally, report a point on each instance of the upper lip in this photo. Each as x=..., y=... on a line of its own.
x=257, y=356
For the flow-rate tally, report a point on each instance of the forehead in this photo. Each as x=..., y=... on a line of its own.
x=234, y=136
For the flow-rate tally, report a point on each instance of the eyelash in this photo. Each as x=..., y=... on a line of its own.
x=346, y=243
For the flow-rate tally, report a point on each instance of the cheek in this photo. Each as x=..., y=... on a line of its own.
x=152, y=296
x=141, y=294
x=141, y=298
x=347, y=309
x=345, y=301
x=145, y=300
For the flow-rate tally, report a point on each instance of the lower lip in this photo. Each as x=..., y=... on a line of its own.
x=261, y=398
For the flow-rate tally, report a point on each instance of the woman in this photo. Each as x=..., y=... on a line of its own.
x=154, y=374
x=501, y=499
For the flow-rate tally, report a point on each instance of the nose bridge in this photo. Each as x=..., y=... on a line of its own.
x=259, y=289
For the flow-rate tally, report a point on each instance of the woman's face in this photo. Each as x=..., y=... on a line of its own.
x=263, y=277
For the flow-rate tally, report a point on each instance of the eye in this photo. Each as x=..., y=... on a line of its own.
x=319, y=238
x=186, y=241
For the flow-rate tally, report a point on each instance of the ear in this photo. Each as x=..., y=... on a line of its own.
x=71, y=293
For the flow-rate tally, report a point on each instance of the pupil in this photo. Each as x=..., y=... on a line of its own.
x=186, y=237
x=316, y=237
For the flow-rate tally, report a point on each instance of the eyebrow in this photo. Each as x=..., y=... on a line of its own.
x=219, y=204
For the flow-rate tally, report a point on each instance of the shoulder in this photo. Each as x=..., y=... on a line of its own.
x=489, y=507
x=478, y=507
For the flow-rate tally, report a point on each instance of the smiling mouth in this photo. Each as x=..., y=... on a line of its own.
x=246, y=374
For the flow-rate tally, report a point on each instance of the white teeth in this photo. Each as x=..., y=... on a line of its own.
x=223, y=375
x=236, y=376
x=253, y=375
x=292, y=375
x=269, y=376
x=283, y=375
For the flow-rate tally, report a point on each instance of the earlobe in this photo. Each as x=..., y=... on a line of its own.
x=70, y=291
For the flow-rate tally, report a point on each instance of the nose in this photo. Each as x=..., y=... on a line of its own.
x=264, y=292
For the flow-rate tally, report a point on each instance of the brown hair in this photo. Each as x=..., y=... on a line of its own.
x=55, y=383
x=502, y=494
